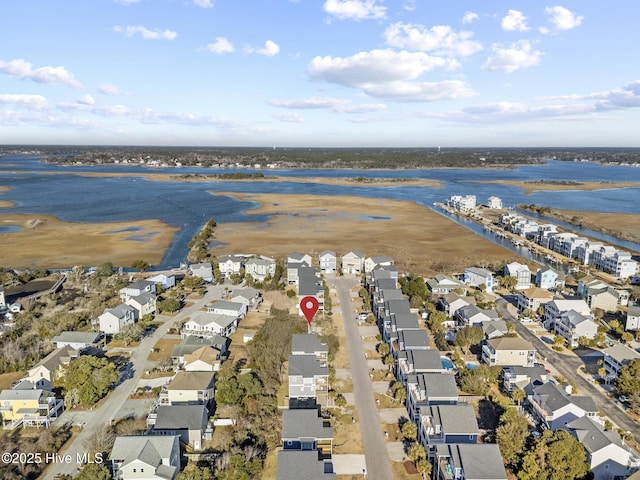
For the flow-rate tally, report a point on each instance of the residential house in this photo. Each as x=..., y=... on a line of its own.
x=520, y=272
x=145, y=303
x=390, y=270
x=232, y=309
x=532, y=299
x=51, y=367
x=555, y=408
x=299, y=258
x=425, y=389
x=524, y=378
x=189, y=422
x=202, y=270
x=293, y=271
x=291, y=463
x=145, y=457
x=229, y=265
x=304, y=429
x=137, y=288
x=189, y=388
x=633, y=317
x=412, y=362
x=167, y=281
x=573, y=325
x=328, y=261
x=353, y=262
x=508, y=351
x=191, y=344
x=113, y=320
x=546, y=278
x=410, y=340
x=463, y=203
x=479, y=277
x=473, y=316
x=395, y=323
x=260, y=268
x=309, y=344
x=79, y=340
x=555, y=308
x=616, y=357
x=247, y=296
x=607, y=454
x=494, y=203
x=495, y=329
x=443, y=284
x=308, y=378
x=372, y=262
x=453, y=301
x=309, y=285
x=29, y=408
x=203, y=359
x=447, y=424
x=205, y=324
x=457, y=461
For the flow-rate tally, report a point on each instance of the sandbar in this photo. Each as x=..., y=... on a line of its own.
x=532, y=187
x=46, y=241
x=419, y=239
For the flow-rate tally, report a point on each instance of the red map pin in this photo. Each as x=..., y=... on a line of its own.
x=309, y=306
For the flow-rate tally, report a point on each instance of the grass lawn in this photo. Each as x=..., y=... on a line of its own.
x=347, y=437
x=269, y=469
x=400, y=472
x=7, y=379
x=163, y=349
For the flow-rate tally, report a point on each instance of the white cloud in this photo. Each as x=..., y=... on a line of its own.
x=441, y=39
x=290, y=117
x=50, y=75
x=108, y=89
x=203, y=3
x=469, y=17
x=563, y=18
x=514, y=21
x=620, y=98
x=147, y=34
x=32, y=102
x=518, y=55
x=220, y=46
x=86, y=100
x=270, y=49
x=401, y=91
x=338, y=105
x=355, y=9
x=409, y=5
x=375, y=66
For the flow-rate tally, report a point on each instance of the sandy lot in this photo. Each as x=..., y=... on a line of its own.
x=530, y=188
x=45, y=241
x=417, y=238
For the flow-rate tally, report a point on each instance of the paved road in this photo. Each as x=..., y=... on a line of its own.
x=568, y=365
x=375, y=449
x=97, y=418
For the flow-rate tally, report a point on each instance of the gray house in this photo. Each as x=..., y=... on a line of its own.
x=411, y=340
x=426, y=389
x=145, y=456
x=468, y=462
x=114, y=319
x=555, y=408
x=304, y=429
x=189, y=422
x=291, y=463
x=308, y=379
x=447, y=424
x=309, y=344
x=417, y=361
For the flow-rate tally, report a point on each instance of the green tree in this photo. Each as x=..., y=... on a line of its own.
x=105, y=270
x=509, y=282
x=90, y=376
x=383, y=349
x=130, y=333
x=518, y=395
x=410, y=430
x=626, y=337
x=192, y=283
x=388, y=360
x=340, y=401
x=468, y=336
x=141, y=265
x=195, y=473
x=169, y=305
x=440, y=339
x=94, y=471
x=424, y=467
x=416, y=452
x=436, y=321
x=511, y=435
x=559, y=341
x=555, y=455
x=628, y=381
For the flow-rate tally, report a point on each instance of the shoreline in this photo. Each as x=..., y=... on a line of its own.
x=531, y=187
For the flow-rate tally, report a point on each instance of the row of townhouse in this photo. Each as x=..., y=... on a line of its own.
x=607, y=258
x=307, y=438
x=353, y=262
x=467, y=203
x=447, y=428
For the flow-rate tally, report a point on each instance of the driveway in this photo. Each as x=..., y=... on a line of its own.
x=376, y=455
x=102, y=416
x=567, y=366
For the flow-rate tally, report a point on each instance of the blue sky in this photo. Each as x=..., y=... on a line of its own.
x=334, y=73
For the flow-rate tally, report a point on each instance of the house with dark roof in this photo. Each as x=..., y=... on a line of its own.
x=572, y=325
x=417, y=361
x=145, y=303
x=447, y=424
x=308, y=379
x=479, y=277
x=607, y=454
x=113, y=320
x=444, y=284
x=453, y=301
x=471, y=315
x=426, y=389
x=304, y=429
x=145, y=456
x=494, y=329
x=410, y=340
x=310, y=344
x=372, y=262
x=137, y=288
x=468, y=462
x=615, y=358
x=555, y=408
x=310, y=285
x=524, y=378
x=189, y=422
x=192, y=343
x=291, y=463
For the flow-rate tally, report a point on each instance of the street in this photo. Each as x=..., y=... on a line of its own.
x=376, y=456
x=568, y=365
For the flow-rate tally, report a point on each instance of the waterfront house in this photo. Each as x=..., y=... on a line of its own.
x=202, y=270
x=304, y=429
x=145, y=303
x=113, y=320
x=372, y=262
x=137, y=288
x=291, y=463
x=520, y=272
x=616, y=357
x=189, y=388
x=79, y=340
x=260, y=268
x=460, y=461
x=532, y=299
x=167, y=281
x=353, y=262
x=189, y=422
x=508, y=351
x=308, y=379
x=479, y=277
x=555, y=407
x=425, y=389
x=328, y=261
x=229, y=265
x=633, y=317
x=205, y=324
x=447, y=424
x=299, y=258
x=145, y=456
x=607, y=454
x=443, y=284
x=494, y=203
x=464, y=203
x=546, y=278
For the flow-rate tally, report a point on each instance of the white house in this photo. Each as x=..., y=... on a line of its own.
x=572, y=325
x=79, y=340
x=145, y=303
x=546, y=278
x=477, y=277
x=494, y=202
x=205, y=324
x=146, y=457
x=372, y=262
x=521, y=273
x=353, y=262
x=555, y=308
x=633, y=317
x=463, y=203
x=229, y=264
x=114, y=319
x=328, y=261
x=167, y=281
x=237, y=309
x=260, y=268
x=137, y=288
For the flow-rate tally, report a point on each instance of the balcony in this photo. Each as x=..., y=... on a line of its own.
x=539, y=411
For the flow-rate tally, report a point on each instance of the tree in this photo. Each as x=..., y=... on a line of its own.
x=410, y=430
x=511, y=435
x=468, y=336
x=518, y=395
x=170, y=305
x=141, y=265
x=195, y=473
x=130, y=333
x=340, y=401
x=626, y=337
x=388, y=360
x=94, y=471
x=436, y=321
x=628, y=381
x=424, y=467
x=440, y=339
x=555, y=455
x=192, y=283
x=383, y=349
x=104, y=270
x=509, y=282
x=416, y=452
x=90, y=376
x=559, y=341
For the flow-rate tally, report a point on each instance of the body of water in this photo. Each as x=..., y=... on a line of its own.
x=189, y=205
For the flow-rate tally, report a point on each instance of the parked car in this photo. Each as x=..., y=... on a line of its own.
x=363, y=316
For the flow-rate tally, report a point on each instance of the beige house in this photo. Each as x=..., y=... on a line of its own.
x=189, y=388
x=533, y=298
x=204, y=359
x=353, y=262
x=508, y=351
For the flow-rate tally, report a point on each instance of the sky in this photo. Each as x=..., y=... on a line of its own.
x=334, y=73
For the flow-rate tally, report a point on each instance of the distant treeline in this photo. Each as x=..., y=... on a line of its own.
x=359, y=158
